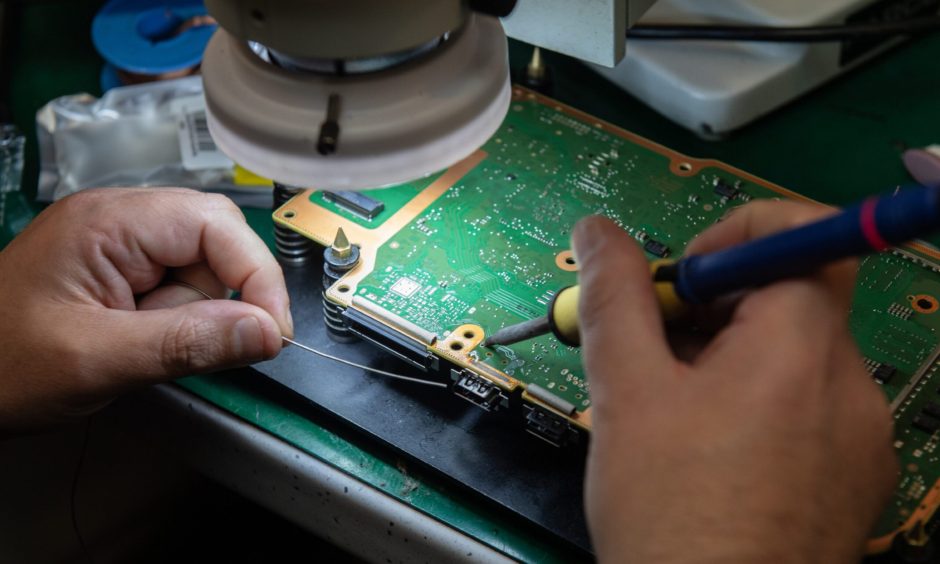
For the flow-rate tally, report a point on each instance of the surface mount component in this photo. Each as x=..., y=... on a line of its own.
x=485, y=244
x=360, y=204
x=656, y=248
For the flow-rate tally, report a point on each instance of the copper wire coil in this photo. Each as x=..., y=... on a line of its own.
x=129, y=78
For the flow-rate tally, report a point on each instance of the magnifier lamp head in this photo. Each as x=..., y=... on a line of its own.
x=357, y=123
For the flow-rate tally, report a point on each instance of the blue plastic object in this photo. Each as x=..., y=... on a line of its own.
x=109, y=77
x=869, y=226
x=141, y=36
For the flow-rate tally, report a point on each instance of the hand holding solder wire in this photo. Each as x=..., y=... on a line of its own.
x=88, y=312
x=764, y=440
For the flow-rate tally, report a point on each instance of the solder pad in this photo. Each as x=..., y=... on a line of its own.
x=486, y=244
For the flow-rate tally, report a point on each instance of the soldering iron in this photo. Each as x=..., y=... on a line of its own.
x=872, y=225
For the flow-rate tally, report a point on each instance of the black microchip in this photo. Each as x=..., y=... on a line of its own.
x=926, y=424
x=885, y=373
x=656, y=248
x=359, y=204
x=724, y=189
x=933, y=409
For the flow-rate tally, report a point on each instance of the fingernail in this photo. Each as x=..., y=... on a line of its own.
x=247, y=339
x=289, y=319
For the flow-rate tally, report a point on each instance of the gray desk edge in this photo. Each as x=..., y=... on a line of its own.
x=295, y=485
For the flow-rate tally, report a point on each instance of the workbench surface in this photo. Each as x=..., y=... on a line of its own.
x=835, y=145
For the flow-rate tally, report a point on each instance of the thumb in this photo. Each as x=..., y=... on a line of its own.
x=202, y=336
x=624, y=344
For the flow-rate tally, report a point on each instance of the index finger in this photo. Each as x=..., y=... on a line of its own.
x=185, y=227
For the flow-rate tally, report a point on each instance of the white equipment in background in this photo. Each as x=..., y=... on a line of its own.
x=713, y=87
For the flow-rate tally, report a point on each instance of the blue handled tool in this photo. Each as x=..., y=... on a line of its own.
x=873, y=225
x=870, y=226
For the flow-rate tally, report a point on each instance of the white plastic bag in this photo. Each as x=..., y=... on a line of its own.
x=144, y=135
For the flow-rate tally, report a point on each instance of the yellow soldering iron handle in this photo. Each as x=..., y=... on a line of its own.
x=671, y=305
x=563, y=311
x=563, y=316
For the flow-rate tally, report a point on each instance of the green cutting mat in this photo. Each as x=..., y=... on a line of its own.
x=485, y=253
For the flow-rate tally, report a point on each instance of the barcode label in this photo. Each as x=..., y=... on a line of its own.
x=197, y=149
x=200, y=128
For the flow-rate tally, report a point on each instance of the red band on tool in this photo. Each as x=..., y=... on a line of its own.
x=869, y=226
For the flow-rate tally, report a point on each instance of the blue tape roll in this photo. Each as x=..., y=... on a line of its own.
x=139, y=36
x=109, y=77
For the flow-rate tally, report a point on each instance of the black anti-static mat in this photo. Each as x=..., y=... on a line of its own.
x=488, y=453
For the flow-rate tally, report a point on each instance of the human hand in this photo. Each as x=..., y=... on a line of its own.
x=85, y=314
x=771, y=443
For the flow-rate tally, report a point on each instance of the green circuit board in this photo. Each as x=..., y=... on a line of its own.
x=493, y=249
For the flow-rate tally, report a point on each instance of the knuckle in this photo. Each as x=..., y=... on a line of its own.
x=756, y=207
x=98, y=207
x=800, y=213
x=218, y=203
x=215, y=206
x=781, y=215
x=754, y=211
x=79, y=203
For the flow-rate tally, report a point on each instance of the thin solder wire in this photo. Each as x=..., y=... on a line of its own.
x=366, y=368
x=321, y=353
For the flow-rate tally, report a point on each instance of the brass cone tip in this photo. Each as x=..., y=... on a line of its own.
x=536, y=68
x=917, y=535
x=341, y=246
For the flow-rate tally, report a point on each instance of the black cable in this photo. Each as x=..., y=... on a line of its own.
x=74, y=491
x=810, y=34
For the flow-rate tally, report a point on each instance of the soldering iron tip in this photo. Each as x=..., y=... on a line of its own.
x=917, y=535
